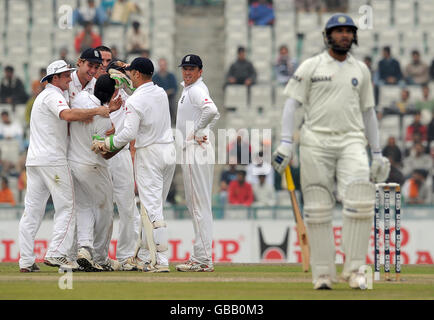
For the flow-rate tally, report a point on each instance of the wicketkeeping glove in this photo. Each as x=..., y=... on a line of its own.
x=103, y=144
x=380, y=167
x=123, y=81
x=282, y=156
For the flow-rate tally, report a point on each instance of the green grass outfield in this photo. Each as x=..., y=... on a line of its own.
x=228, y=282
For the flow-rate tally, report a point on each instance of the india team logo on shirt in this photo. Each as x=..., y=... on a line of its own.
x=355, y=82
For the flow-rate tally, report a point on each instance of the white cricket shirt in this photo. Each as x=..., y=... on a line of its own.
x=196, y=109
x=118, y=116
x=147, y=118
x=75, y=87
x=81, y=133
x=333, y=94
x=48, y=133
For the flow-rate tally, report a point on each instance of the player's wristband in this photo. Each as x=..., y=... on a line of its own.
x=110, y=144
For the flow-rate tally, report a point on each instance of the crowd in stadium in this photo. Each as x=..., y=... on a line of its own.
x=411, y=151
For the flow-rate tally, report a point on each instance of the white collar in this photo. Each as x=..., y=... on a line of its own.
x=145, y=86
x=77, y=82
x=200, y=79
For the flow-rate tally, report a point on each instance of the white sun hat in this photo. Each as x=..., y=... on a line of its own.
x=57, y=67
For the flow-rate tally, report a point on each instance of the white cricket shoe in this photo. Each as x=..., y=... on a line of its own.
x=158, y=268
x=193, y=266
x=324, y=282
x=60, y=262
x=358, y=280
x=85, y=261
x=131, y=264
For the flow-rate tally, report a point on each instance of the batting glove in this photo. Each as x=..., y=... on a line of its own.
x=380, y=167
x=282, y=156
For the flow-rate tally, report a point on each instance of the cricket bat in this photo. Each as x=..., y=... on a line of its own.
x=301, y=229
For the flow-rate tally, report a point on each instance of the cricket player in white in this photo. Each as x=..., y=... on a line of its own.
x=336, y=94
x=196, y=116
x=92, y=180
x=147, y=121
x=121, y=168
x=48, y=172
x=83, y=78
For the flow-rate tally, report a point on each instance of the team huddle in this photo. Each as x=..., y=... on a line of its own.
x=83, y=125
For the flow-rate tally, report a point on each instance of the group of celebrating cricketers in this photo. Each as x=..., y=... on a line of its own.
x=87, y=119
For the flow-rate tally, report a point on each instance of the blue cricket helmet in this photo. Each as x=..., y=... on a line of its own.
x=339, y=20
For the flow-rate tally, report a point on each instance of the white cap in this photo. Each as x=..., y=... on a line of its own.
x=57, y=67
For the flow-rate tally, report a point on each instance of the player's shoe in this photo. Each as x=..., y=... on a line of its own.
x=358, y=280
x=131, y=264
x=158, y=268
x=60, y=262
x=33, y=268
x=193, y=266
x=111, y=265
x=84, y=260
x=324, y=282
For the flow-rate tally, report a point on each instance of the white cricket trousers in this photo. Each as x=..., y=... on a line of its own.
x=154, y=169
x=198, y=173
x=94, y=198
x=121, y=168
x=41, y=182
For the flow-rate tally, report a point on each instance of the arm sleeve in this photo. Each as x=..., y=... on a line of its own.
x=288, y=122
x=209, y=113
x=131, y=127
x=371, y=129
x=56, y=104
x=367, y=100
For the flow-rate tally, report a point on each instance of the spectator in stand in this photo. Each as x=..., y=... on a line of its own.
x=426, y=103
x=417, y=71
x=122, y=9
x=6, y=194
x=107, y=6
x=391, y=150
x=242, y=70
x=37, y=88
x=87, y=38
x=259, y=167
x=228, y=175
x=416, y=126
x=431, y=129
x=240, y=150
x=10, y=129
x=415, y=190
x=389, y=69
x=89, y=12
x=167, y=81
x=240, y=192
x=261, y=13
x=417, y=159
x=12, y=88
x=264, y=193
x=403, y=106
x=285, y=65
x=63, y=55
x=395, y=174
x=136, y=39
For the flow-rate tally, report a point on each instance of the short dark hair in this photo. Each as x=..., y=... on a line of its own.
x=241, y=49
x=103, y=48
x=5, y=113
x=104, y=88
x=9, y=68
x=387, y=49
